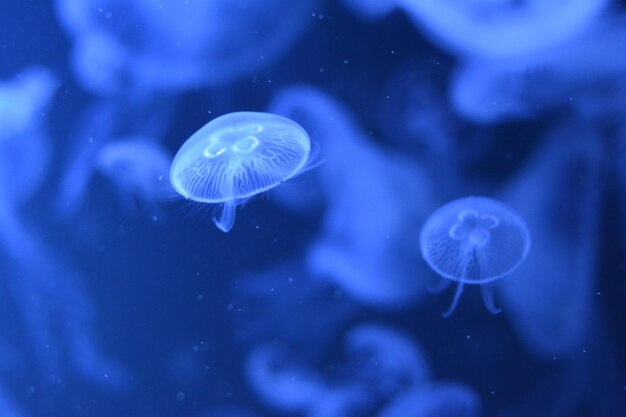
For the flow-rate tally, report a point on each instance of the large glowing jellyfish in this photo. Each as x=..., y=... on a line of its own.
x=177, y=44
x=474, y=240
x=237, y=156
x=495, y=29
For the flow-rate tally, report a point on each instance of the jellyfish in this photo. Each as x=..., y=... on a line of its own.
x=24, y=147
x=580, y=75
x=137, y=166
x=292, y=387
x=365, y=252
x=386, y=358
x=495, y=29
x=23, y=100
x=237, y=156
x=287, y=386
x=474, y=240
x=46, y=289
x=177, y=45
x=25, y=150
x=440, y=399
x=103, y=121
x=382, y=362
x=559, y=193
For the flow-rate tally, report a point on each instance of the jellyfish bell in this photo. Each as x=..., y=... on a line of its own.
x=136, y=165
x=394, y=360
x=501, y=29
x=474, y=240
x=282, y=382
x=237, y=156
x=177, y=45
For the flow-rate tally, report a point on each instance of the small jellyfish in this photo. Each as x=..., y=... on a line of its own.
x=474, y=240
x=282, y=382
x=138, y=166
x=236, y=156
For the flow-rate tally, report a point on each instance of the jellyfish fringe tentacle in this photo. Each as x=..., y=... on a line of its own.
x=487, y=292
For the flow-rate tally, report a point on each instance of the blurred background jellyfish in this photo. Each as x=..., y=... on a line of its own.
x=559, y=193
x=579, y=77
x=178, y=44
x=237, y=156
x=289, y=387
x=138, y=167
x=495, y=29
x=56, y=312
x=389, y=359
x=443, y=399
x=365, y=251
x=474, y=240
x=24, y=99
x=25, y=150
x=96, y=125
x=381, y=362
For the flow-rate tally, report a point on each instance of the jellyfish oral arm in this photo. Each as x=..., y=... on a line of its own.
x=224, y=218
x=455, y=300
x=487, y=290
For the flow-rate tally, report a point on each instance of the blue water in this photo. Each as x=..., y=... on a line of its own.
x=122, y=298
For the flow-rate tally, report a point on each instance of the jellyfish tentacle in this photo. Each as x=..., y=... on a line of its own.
x=224, y=219
x=487, y=292
x=455, y=301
